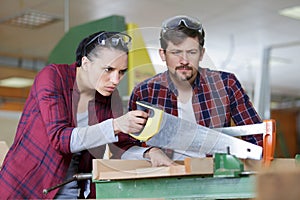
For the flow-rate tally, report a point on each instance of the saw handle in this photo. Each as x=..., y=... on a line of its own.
x=145, y=108
x=153, y=122
x=269, y=142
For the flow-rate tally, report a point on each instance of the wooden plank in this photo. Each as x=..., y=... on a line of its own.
x=252, y=165
x=125, y=169
x=199, y=165
x=128, y=169
x=106, y=169
x=206, y=165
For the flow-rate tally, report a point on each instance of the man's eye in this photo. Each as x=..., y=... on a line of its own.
x=193, y=52
x=175, y=52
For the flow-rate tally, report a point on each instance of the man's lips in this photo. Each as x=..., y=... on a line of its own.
x=183, y=68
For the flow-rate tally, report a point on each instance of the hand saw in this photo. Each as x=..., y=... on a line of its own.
x=168, y=131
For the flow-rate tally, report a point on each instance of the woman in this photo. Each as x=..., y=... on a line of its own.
x=71, y=109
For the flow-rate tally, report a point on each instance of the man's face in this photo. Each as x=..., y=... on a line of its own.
x=183, y=59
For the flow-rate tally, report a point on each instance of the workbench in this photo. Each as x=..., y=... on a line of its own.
x=224, y=177
x=195, y=178
x=199, y=187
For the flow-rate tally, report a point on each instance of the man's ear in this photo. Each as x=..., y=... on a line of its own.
x=202, y=53
x=84, y=63
x=162, y=54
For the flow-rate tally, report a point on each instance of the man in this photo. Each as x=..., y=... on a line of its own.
x=207, y=97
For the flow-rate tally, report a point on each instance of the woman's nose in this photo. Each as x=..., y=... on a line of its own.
x=115, y=78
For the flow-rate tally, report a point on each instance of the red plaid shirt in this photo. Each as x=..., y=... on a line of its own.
x=217, y=98
x=40, y=155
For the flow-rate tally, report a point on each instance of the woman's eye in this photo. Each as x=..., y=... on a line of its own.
x=109, y=69
x=122, y=72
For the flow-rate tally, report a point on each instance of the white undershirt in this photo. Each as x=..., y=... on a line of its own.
x=186, y=111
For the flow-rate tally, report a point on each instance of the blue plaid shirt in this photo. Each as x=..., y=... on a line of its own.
x=218, y=98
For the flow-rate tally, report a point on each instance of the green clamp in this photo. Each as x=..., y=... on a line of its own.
x=226, y=165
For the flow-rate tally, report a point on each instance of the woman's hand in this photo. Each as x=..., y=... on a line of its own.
x=131, y=122
x=158, y=157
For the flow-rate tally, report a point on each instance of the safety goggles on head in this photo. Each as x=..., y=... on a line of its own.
x=177, y=21
x=113, y=38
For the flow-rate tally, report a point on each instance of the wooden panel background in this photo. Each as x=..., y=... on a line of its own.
x=286, y=125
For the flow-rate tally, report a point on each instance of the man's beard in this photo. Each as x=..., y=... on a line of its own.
x=185, y=76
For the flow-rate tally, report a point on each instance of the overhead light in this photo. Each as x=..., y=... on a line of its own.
x=30, y=19
x=293, y=12
x=16, y=82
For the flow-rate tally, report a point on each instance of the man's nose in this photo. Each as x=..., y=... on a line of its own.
x=184, y=58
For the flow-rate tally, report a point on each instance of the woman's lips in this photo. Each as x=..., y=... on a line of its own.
x=110, y=89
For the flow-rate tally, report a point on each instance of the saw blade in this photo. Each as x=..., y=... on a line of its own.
x=179, y=134
x=243, y=130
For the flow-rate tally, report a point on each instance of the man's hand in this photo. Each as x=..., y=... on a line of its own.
x=158, y=157
x=131, y=122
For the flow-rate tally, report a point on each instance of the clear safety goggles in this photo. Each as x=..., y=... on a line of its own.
x=175, y=22
x=114, y=38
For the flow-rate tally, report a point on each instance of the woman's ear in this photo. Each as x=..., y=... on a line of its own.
x=162, y=54
x=84, y=63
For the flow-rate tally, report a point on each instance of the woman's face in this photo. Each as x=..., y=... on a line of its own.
x=106, y=70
